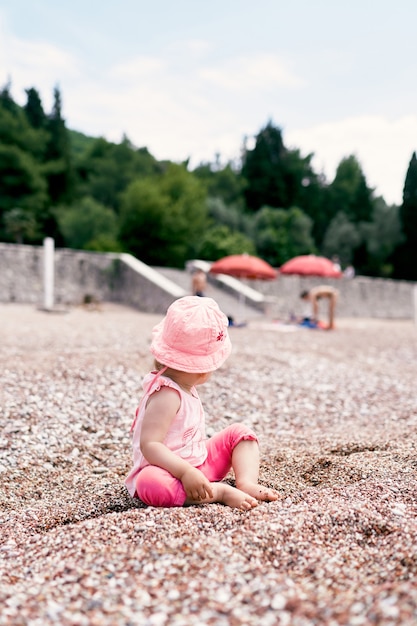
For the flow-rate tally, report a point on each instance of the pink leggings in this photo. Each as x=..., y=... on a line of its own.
x=157, y=487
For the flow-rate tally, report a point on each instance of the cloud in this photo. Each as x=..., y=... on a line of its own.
x=196, y=47
x=137, y=68
x=382, y=146
x=259, y=71
x=179, y=103
x=31, y=63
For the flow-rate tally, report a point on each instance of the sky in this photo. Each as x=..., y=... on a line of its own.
x=192, y=79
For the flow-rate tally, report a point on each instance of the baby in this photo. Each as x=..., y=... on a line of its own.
x=174, y=464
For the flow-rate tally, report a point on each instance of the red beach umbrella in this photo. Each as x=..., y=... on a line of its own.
x=244, y=266
x=311, y=265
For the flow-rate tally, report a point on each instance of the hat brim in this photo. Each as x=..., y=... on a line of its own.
x=184, y=361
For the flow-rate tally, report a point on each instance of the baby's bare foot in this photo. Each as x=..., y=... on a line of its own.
x=259, y=491
x=235, y=498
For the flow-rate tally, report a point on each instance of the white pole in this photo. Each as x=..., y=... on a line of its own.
x=48, y=273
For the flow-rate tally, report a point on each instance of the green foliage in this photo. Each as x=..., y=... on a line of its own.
x=408, y=211
x=405, y=258
x=282, y=178
x=22, y=185
x=312, y=199
x=341, y=239
x=366, y=245
x=80, y=144
x=264, y=170
x=88, y=225
x=349, y=192
x=219, y=241
x=224, y=183
x=163, y=217
x=282, y=234
x=58, y=167
x=34, y=109
x=381, y=236
x=104, y=243
x=6, y=101
x=116, y=197
x=16, y=131
x=106, y=169
x=231, y=216
x=20, y=225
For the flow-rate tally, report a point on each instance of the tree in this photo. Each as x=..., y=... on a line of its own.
x=307, y=189
x=349, y=192
x=263, y=169
x=6, y=99
x=408, y=210
x=106, y=169
x=88, y=225
x=281, y=178
x=34, y=109
x=22, y=185
x=164, y=217
x=281, y=234
x=231, y=216
x=381, y=237
x=20, y=224
x=341, y=239
x=22, y=176
x=58, y=162
x=405, y=257
x=220, y=240
x=224, y=183
x=15, y=130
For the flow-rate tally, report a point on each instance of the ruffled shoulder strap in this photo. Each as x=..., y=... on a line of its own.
x=149, y=386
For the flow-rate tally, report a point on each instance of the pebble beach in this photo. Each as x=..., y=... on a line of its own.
x=336, y=417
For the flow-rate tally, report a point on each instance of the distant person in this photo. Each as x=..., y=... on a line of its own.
x=174, y=462
x=349, y=272
x=336, y=263
x=313, y=296
x=232, y=322
x=198, y=282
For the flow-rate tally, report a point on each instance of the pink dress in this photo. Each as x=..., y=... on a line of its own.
x=186, y=436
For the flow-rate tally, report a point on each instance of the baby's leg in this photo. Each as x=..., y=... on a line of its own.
x=236, y=447
x=245, y=463
x=157, y=487
x=226, y=494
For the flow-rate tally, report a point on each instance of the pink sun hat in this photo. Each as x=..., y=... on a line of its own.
x=193, y=336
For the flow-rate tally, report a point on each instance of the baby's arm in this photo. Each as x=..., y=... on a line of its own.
x=159, y=414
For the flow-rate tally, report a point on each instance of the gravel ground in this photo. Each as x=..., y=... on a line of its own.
x=336, y=414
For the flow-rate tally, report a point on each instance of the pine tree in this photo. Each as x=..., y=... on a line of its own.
x=58, y=166
x=408, y=211
x=406, y=256
x=6, y=100
x=264, y=170
x=34, y=110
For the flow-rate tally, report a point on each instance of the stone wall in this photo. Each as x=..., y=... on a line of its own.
x=359, y=297
x=82, y=276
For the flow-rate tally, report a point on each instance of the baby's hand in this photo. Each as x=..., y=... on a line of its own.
x=195, y=484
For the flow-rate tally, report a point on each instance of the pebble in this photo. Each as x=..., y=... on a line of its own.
x=336, y=416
